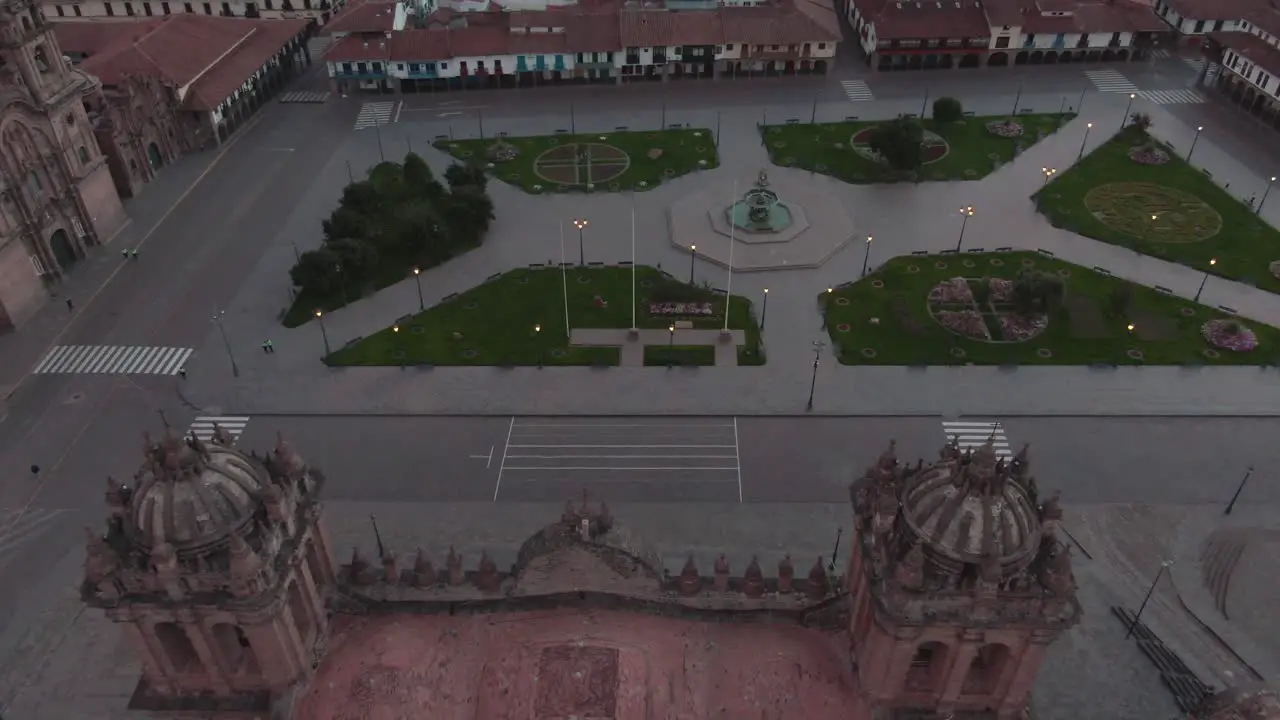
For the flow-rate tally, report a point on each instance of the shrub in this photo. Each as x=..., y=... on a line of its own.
x=1035, y=291
x=1121, y=300
x=1140, y=121
x=947, y=110
x=981, y=290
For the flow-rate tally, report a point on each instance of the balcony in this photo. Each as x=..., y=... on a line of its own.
x=422, y=71
x=359, y=74
x=659, y=58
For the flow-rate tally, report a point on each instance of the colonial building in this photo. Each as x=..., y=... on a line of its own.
x=1193, y=20
x=1250, y=62
x=958, y=582
x=178, y=84
x=932, y=34
x=216, y=564
x=314, y=12
x=56, y=196
x=588, y=43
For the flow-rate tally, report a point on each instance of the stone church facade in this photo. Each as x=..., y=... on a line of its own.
x=57, y=198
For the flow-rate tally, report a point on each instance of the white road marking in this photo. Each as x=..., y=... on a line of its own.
x=399, y=108
x=639, y=447
x=856, y=90
x=975, y=434
x=631, y=469
x=502, y=466
x=448, y=114
x=113, y=359
x=737, y=456
x=1182, y=96
x=233, y=424
x=1110, y=81
x=595, y=426
x=374, y=114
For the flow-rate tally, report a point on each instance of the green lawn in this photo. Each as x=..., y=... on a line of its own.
x=971, y=150
x=893, y=324
x=605, y=162
x=1196, y=220
x=494, y=323
x=685, y=355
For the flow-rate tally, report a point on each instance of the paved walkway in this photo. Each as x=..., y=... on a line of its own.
x=902, y=217
x=632, y=354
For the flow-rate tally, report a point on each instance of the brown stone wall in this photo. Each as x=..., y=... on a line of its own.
x=21, y=290
x=102, y=203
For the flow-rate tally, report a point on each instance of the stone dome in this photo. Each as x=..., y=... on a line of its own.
x=193, y=495
x=971, y=510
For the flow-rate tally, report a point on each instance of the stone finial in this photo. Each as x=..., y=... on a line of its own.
x=690, y=581
x=753, y=580
x=114, y=495
x=390, y=573
x=722, y=574
x=424, y=575
x=570, y=514
x=909, y=573
x=818, y=584
x=358, y=571
x=273, y=499
x=1051, y=510
x=487, y=578
x=222, y=437
x=889, y=458
x=100, y=560
x=786, y=574
x=453, y=565
x=606, y=518
x=1055, y=573
x=1023, y=459
x=164, y=560
x=289, y=462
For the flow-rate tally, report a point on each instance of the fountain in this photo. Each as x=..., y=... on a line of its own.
x=760, y=210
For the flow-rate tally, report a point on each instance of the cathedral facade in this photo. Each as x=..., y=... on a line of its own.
x=57, y=198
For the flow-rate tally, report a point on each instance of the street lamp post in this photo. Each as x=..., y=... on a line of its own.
x=1265, y=193
x=693, y=256
x=1124, y=121
x=1048, y=173
x=1205, y=279
x=1150, y=226
x=417, y=280
x=1194, y=140
x=965, y=214
x=537, y=340
x=323, y=332
x=582, y=253
x=217, y=318
x=866, y=256
x=1239, y=488
x=764, y=310
x=1164, y=565
x=395, y=333
x=671, y=337
x=813, y=381
x=1087, y=128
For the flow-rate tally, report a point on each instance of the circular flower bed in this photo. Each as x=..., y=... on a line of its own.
x=1211, y=353
x=1181, y=217
x=470, y=354
x=1135, y=354
x=1188, y=312
x=1229, y=335
x=1028, y=262
x=842, y=301
x=868, y=353
x=877, y=284
x=996, y=262
x=968, y=263
x=1064, y=273
x=933, y=146
x=958, y=352
x=951, y=292
x=940, y=265
x=844, y=327
x=1005, y=128
x=471, y=306
x=913, y=269
x=968, y=323
x=1148, y=155
x=1045, y=353
x=584, y=280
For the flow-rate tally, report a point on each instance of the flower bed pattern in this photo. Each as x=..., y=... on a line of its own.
x=952, y=292
x=968, y=323
x=954, y=305
x=935, y=147
x=1005, y=128
x=674, y=308
x=1230, y=335
x=1128, y=207
x=1146, y=155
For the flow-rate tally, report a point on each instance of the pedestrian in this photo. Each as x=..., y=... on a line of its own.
x=134, y=253
x=124, y=253
x=70, y=305
x=266, y=348
x=182, y=373
x=1252, y=199
x=271, y=347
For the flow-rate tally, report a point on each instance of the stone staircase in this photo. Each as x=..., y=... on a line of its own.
x=1218, y=559
x=1187, y=689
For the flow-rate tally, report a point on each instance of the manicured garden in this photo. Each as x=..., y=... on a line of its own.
x=604, y=162
x=1026, y=308
x=968, y=148
x=679, y=355
x=1113, y=193
x=518, y=318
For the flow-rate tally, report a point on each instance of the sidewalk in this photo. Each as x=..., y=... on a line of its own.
x=903, y=218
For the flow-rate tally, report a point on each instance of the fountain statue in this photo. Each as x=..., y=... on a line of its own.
x=760, y=210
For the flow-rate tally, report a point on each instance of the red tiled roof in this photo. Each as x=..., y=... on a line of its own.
x=363, y=17
x=1252, y=48
x=782, y=24
x=357, y=48
x=235, y=69
x=420, y=45
x=595, y=32
x=1005, y=12
x=537, y=43
x=93, y=37
x=1266, y=19
x=697, y=28
x=1215, y=9
x=910, y=19
x=646, y=28
x=478, y=41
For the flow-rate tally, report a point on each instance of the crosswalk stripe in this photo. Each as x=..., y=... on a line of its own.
x=305, y=96
x=856, y=90
x=1110, y=81
x=1160, y=54
x=19, y=526
x=1172, y=97
x=113, y=360
x=975, y=434
x=374, y=114
x=203, y=425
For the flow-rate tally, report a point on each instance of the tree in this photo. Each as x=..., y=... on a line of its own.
x=1035, y=291
x=418, y=178
x=344, y=222
x=467, y=212
x=898, y=142
x=947, y=110
x=316, y=271
x=358, y=258
x=463, y=174
x=1140, y=121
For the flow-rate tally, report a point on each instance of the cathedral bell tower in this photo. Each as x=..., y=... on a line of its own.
x=29, y=54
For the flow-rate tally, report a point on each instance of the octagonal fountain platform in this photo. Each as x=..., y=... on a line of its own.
x=776, y=222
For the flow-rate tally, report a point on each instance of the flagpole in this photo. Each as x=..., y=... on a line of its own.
x=564, y=283
x=728, y=292
x=633, y=259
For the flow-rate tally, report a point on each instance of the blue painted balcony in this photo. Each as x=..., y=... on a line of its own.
x=559, y=62
x=422, y=71
x=1059, y=42
x=356, y=72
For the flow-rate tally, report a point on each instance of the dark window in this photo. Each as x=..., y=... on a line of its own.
x=146, y=9
x=362, y=68
x=164, y=8
x=268, y=4
x=61, y=12
x=346, y=68
x=128, y=9
x=111, y=12
x=83, y=154
x=186, y=8
x=1217, y=26
x=1002, y=41
x=208, y=9
x=306, y=4
x=1199, y=26
x=226, y=9
x=76, y=8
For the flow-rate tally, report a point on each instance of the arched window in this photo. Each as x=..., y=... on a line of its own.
x=316, y=565
x=234, y=648
x=83, y=153
x=178, y=648
x=26, y=23
x=928, y=665
x=986, y=670
x=300, y=612
x=33, y=180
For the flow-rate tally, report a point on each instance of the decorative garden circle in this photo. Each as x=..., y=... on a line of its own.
x=935, y=147
x=844, y=327
x=646, y=283
x=996, y=262
x=968, y=263
x=581, y=163
x=464, y=153
x=418, y=330
x=1064, y=273
x=1128, y=207
x=470, y=354
x=513, y=177
x=584, y=280
x=1028, y=262
x=559, y=353
x=1135, y=354
x=940, y=265
x=1188, y=312
x=820, y=167
x=1044, y=353
x=1211, y=353
x=913, y=269
x=958, y=352
x=1144, y=155
x=523, y=279
x=471, y=306
x=842, y=301
x=955, y=307
x=868, y=352
x=877, y=283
